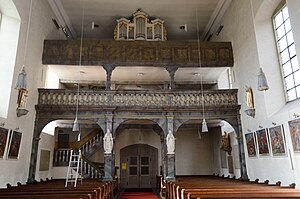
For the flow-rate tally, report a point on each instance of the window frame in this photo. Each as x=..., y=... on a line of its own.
x=279, y=10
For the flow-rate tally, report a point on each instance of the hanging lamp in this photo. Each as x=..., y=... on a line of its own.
x=262, y=84
x=76, y=123
x=204, y=124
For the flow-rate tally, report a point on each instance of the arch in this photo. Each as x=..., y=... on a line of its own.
x=157, y=128
x=39, y=126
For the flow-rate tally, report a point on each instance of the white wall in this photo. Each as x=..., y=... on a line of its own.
x=254, y=48
x=193, y=156
x=46, y=143
x=41, y=26
x=52, y=80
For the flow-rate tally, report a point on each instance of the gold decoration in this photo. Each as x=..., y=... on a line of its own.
x=165, y=34
x=225, y=143
x=115, y=32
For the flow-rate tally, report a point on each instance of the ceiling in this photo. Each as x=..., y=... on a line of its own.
x=174, y=13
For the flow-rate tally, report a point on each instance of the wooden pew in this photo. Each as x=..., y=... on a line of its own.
x=91, y=189
x=237, y=193
x=210, y=187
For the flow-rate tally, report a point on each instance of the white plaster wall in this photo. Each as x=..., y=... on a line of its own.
x=46, y=143
x=13, y=171
x=193, y=156
x=52, y=80
x=255, y=47
x=223, y=81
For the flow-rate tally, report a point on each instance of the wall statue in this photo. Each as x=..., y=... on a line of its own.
x=108, y=142
x=225, y=143
x=170, y=143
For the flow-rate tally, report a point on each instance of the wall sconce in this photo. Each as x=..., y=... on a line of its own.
x=260, y=126
x=17, y=128
x=2, y=123
x=249, y=130
x=274, y=123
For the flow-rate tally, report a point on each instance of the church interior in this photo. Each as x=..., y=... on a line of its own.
x=146, y=95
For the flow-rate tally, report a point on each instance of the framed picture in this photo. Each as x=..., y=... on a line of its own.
x=294, y=126
x=250, y=141
x=277, y=140
x=15, y=143
x=3, y=140
x=262, y=140
x=44, y=160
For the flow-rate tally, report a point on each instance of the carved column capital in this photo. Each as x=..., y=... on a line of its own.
x=109, y=69
x=172, y=70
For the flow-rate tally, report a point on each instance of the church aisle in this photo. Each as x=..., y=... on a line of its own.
x=138, y=194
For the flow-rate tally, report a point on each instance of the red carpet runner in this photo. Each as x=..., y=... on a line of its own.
x=138, y=195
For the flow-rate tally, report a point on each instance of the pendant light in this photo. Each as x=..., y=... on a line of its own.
x=76, y=124
x=262, y=84
x=204, y=124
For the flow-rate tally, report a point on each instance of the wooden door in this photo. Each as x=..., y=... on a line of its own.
x=138, y=166
x=63, y=141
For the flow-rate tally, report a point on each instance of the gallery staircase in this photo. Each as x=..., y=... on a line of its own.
x=88, y=146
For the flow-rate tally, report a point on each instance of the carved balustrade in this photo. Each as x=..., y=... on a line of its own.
x=155, y=99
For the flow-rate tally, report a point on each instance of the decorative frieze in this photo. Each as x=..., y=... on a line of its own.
x=138, y=53
x=159, y=99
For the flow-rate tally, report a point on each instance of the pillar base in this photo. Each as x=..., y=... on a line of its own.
x=108, y=160
x=170, y=167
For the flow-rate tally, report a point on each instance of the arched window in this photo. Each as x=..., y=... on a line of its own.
x=287, y=52
x=9, y=36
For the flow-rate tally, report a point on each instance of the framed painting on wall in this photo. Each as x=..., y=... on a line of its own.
x=262, y=140
x=15, y=143
x=3, y=140
x=250, y=141
x=44, y=160
x=277, y=140
x=294, y=126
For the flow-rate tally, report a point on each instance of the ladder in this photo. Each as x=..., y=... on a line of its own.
x=75, y=168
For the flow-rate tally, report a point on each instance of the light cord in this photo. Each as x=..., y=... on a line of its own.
x=199, y=60
x=27, y=33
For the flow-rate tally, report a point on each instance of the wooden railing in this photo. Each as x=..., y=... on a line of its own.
x=61, y=157
x=156, y=99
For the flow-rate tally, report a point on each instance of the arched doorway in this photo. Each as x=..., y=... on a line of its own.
x=138, y=166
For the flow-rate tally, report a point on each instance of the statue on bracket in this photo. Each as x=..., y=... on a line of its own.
x=250, y=102
x=170, y=143
x=225, y=143
x=108, y=142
